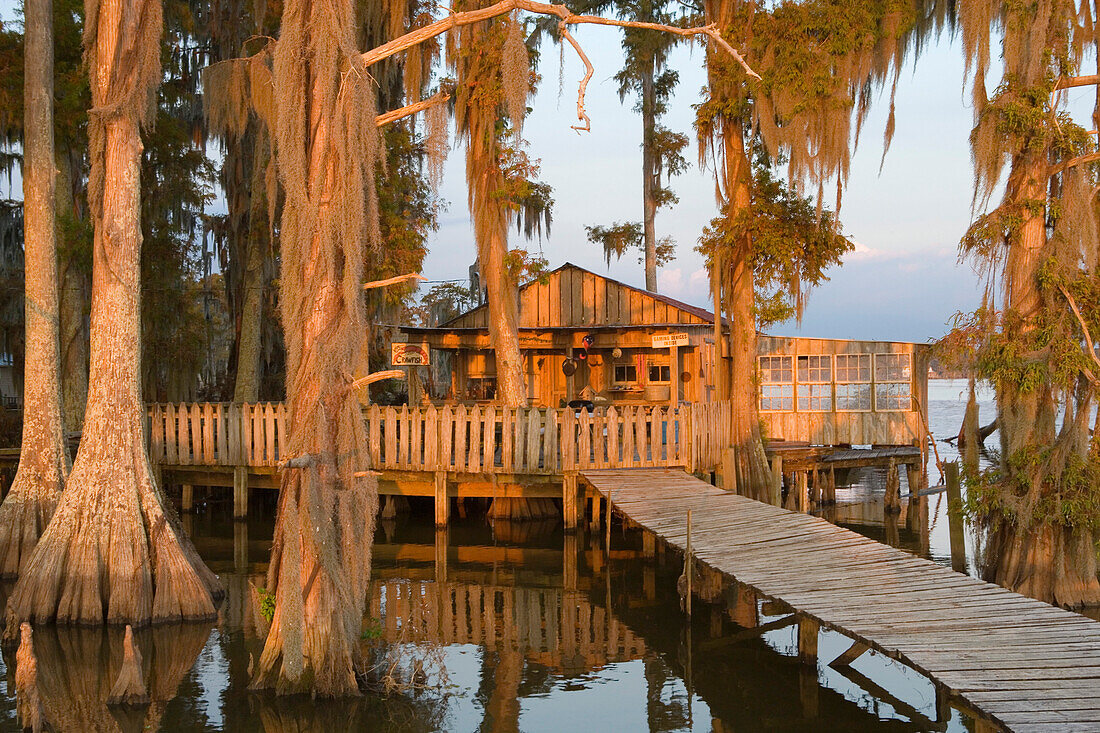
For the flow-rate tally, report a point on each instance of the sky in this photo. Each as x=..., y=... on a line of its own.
x=903, y=281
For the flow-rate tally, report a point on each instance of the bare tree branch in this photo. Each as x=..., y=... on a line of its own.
x=1085, y=330
x=393, y=280
x=1080, y=160
x=410, y=109
x=470, y=17
x=1067, y=82
x=377, y=377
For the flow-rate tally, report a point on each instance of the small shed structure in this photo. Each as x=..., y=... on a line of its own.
x=628, y=346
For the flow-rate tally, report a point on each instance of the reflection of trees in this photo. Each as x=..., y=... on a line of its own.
x=502, y=705
x=77, y=668
x=671, y=715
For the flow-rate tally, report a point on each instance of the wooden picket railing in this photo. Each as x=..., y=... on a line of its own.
x=456, y=438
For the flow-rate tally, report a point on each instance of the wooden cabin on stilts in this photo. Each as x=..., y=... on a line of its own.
x=617, y=377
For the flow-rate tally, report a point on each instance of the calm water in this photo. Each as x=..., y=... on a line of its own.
x=519, y=628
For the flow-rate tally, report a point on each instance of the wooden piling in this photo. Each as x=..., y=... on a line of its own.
x=775, y=490
x=649, y=544
x=569, y=561
x=569, y=501
x=187, y=502
x=607, y=527
x=240, y=547
x=893, y=488
x=687, y=566
x=807, y=641
x=442, y=499
x=955, y=518
x=442, y=540
x=240, y=492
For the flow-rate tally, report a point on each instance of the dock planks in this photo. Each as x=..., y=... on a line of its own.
x=1026, y=664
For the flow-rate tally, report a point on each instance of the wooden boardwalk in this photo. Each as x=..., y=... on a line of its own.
x=1026, y=665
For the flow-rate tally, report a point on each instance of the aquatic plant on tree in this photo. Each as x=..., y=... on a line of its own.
x=114, y=552
x=1033, y=337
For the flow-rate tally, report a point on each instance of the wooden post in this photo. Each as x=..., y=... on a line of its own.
x=569, y=561
x=442, y=500
x=912, y=512
x=807, y=641
x=570, y=382
x=893, y=488
x=954, y=517
x=673, y=376
x=607, y=528
x=775, y=496
x=442, y=540
x=803, y=480
x=687, y=568
x=187, y=503
x=831, y=486
x=240, y=547
x=649, y=545
x=569, y=501
x=240, y=492
x=741, y=604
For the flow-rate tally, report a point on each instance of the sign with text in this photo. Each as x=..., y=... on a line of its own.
x=668, y=340
x=410, y=354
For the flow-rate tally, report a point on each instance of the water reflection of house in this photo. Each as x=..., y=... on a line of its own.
x=586, y=336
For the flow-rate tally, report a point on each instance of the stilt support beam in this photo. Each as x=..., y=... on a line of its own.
x=240, y=492
x=442, y=500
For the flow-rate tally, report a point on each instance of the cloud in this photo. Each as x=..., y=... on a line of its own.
x=670, y=281
x=863, y=252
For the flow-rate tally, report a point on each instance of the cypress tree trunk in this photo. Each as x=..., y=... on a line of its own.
x=649, y=180
x=43, y=462
x=751, y=475
x=246, y=387
x=327, y=151
x=74, y=300
x=478, y=122
x=491, y=231
x=732, y=282
x=112, y=553
x=1048, y=561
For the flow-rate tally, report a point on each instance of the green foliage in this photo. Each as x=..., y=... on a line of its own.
x=372, y=629
x=792, y=244
x=618, y=238
x=1003, y=493
x=267, y=604
x=443, y=302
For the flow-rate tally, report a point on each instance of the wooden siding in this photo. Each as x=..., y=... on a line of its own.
x=574, y=297
x=833, y=427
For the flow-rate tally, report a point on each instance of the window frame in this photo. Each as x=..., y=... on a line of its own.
x=858, y=382
x=765, y=383
x=624, y=365
x=650, y=366
x=895, y=382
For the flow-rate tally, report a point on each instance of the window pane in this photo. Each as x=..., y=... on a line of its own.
x=776, y=369
x=853, y=367
x=853, y=397
x=892, y=396
x=892, y=368
x=815, y=397
x=777, y=397
x=815, y=369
